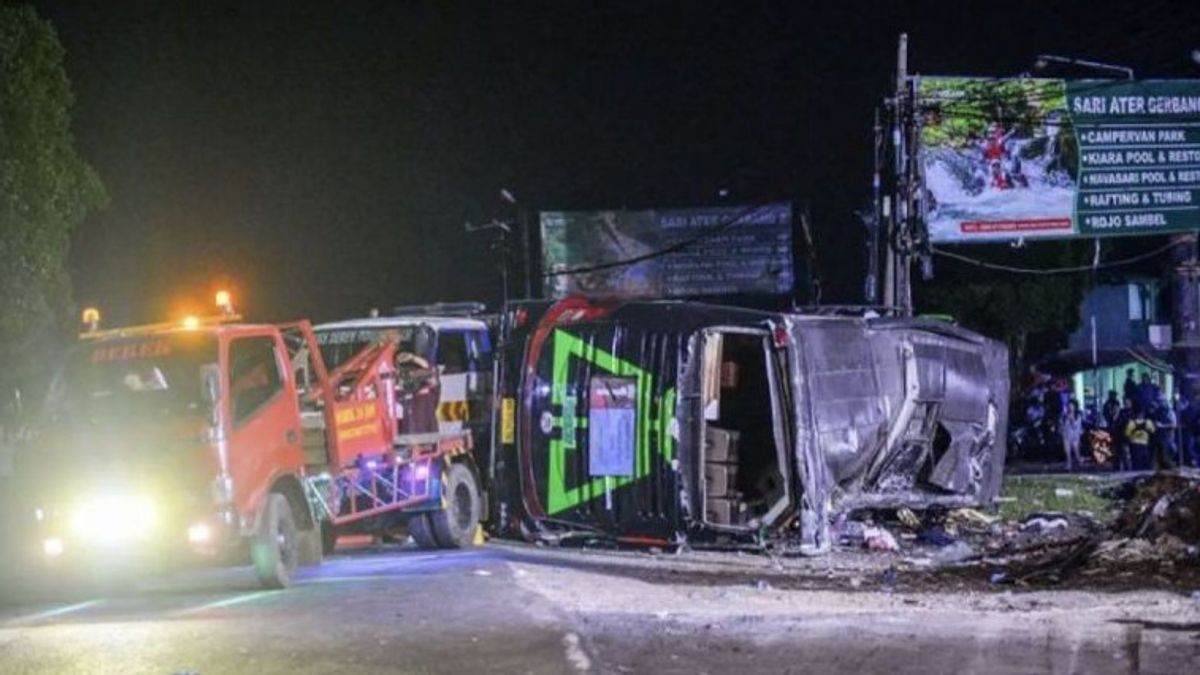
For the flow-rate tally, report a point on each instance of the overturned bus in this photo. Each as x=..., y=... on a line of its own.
x=664, y=423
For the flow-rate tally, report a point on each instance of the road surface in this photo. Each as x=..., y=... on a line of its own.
x=518, y=609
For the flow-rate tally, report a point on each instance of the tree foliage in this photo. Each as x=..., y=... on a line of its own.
x=1033, y=315
x=46, y=190
x=957, y=109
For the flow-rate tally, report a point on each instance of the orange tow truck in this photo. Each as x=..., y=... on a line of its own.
x=217, y=440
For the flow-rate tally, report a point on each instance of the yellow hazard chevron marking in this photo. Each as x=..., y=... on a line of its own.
x=508, y=421
x=452, y=411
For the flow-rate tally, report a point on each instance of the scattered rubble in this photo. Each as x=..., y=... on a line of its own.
x=1151, y=536
x=954, y=553
x=879, y=539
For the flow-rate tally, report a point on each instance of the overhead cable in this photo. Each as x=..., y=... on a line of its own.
x=1057, y=270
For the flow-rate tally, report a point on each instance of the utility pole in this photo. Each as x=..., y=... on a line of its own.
x=875, y=226
x=1185, y=328
x=897, y=279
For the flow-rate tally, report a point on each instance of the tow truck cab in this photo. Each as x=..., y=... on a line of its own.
x=445, y=361
x=443, y=374
x=191, y=439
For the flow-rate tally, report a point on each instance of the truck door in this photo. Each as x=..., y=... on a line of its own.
x=453, y=365
x=479, y=379
x=264, y=435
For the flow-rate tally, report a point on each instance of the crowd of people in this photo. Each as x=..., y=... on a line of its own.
x=1136, y=430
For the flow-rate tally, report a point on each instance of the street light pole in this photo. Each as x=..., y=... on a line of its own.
x=1044, y=60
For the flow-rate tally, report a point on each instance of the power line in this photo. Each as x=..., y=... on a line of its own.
x=1057, y=270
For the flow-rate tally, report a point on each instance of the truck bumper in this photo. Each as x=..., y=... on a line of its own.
x=187, y=543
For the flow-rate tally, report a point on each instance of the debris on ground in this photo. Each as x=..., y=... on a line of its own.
x=1156, y=527
x=908, y=518
x=1161, y=504
x=935, y=536
x=1040, y=523
x=954, y=553
x=968, y=516
x=878, y=539
x=1145, y=531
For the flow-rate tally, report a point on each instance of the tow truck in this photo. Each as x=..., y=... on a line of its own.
x=445, y=369
x=214, y=439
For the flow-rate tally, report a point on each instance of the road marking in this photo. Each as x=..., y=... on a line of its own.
x=374, y=562
x=343, y=579
x=227, y=602
x=575, y=654
x=54, y=613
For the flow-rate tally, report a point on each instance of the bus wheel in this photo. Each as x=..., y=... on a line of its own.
x=455, y=525
x=422, y=531
x=276, y=547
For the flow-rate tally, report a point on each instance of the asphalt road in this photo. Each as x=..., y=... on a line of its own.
x=515, y=609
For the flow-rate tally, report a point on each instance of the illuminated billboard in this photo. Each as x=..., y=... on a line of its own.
x=1003, y=159
x=727, y=250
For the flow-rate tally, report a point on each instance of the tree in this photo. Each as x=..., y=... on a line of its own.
x=46, y=190
x=1033, y=315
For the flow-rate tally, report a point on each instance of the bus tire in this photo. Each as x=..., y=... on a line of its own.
x=422, y=531
x=275, y=548
x=455, y=525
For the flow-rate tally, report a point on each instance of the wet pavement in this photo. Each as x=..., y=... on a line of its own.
x=514, y=608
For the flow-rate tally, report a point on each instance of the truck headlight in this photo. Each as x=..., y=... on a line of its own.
x=199, y=533
x=52, y=547
x=113, y=518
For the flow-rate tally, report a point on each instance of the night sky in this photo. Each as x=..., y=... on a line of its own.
x=321, y=160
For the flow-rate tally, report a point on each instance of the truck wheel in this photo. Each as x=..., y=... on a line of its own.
x=454, y=526
x=312, y=550
x=275, y=549
x=328, y=537
x=422, y=531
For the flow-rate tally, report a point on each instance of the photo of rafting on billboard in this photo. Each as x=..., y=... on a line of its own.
x=999, y=158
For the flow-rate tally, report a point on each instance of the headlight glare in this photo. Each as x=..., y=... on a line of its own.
x=113, y=518
x=52, y=547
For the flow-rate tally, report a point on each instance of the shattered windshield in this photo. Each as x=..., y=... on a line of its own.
x=156, y=374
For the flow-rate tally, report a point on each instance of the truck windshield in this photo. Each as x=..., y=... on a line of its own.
x=153, y=374
x=338, y=345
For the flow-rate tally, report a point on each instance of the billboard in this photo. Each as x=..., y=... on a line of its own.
x=716, y=251
x=1045, y=158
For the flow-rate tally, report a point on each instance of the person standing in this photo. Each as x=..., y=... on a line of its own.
x=1130, y=387
x=1191, y=422
x=1071, y=430
x=1147, y=393
x=1139, y=433
x=1112, y=408
x=1183, y=420
x=1119, y=439
x=1165, y=423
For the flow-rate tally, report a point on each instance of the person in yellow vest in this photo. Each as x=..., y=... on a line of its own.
x=1139, y=432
